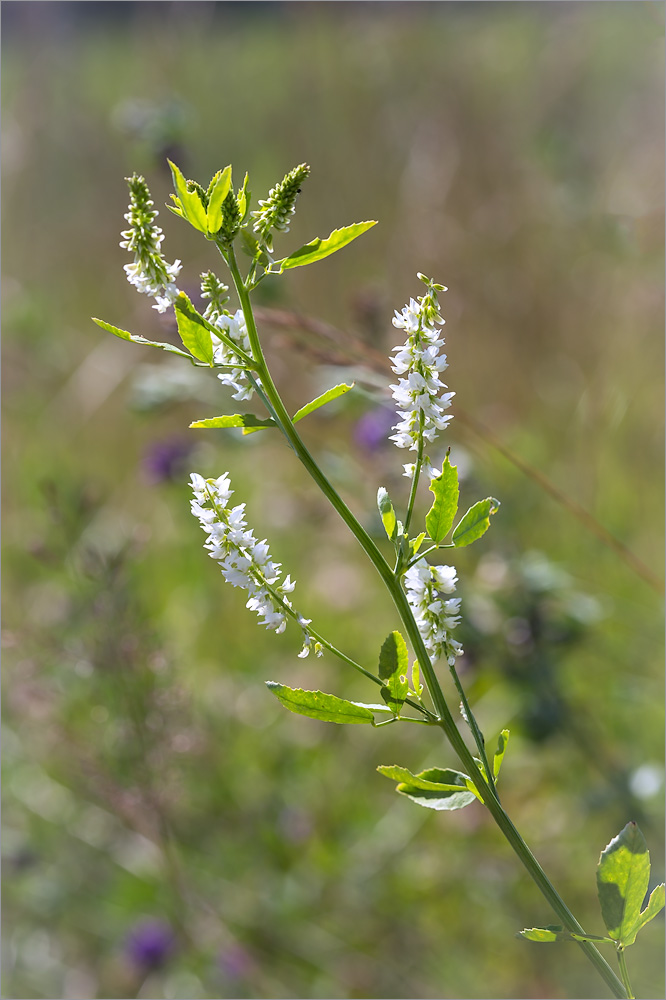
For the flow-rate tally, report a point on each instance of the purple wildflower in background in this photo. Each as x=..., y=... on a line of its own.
x=235, y=962
x=149, y=944
x=164, y=461
x=372, y=429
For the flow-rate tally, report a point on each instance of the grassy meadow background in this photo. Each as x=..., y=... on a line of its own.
x=169, y=830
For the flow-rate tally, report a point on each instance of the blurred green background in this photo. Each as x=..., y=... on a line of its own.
x=171, y=831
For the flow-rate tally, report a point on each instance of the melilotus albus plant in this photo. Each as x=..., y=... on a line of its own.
x=227, y=341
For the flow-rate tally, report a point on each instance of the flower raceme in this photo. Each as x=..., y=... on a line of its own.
x=424, y=585
x=149, y=272
x=418, y=364
x=244, y=561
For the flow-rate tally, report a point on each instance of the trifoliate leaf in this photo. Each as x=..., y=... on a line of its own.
x=439, y=518
x=193, y=330
x=475, y=522
x=125, y=335
x=436, y=788
x=623, y=874
x=317, y=705
x=326, y=397
x=387, y=513
x=234, y=420
x=317, y=249
x=555, y=932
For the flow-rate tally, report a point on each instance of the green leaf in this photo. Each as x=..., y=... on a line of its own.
x=217, y=196
x=416, y=543
x=387, y=513
x=393, y=667
x=623, y=874
x=439, y=518
x=542, y=934
x=317, y=249
x=475, y=522
x=243, y=200
x=501, y=750
x=436, y=788
x=655, y=905
x=188, y=201
x=317, y=705
x=193, y=330
x=326, y=397
x=125, y=335
x=555, y=932
x=416, y=679
x=234, y=420
x=251, y=246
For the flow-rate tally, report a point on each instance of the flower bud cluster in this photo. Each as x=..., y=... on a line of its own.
x=418, y=363
x=149, y=272
x=276, y=210
x=434, y=617
x=244, y=561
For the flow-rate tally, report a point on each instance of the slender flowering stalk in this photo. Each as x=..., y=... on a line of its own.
x=418, y=363
x=420, y=592
x=149, y=272
x=434, y=617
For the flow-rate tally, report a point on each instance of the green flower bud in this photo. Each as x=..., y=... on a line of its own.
x=277, y=209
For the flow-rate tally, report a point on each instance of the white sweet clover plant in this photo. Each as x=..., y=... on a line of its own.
x=227, y=341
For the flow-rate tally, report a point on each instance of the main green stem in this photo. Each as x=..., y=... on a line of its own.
x=446, y=722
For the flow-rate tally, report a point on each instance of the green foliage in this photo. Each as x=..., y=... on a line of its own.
x=623, y=875
x=317, y=705
x=439, y=518
x=475, y=523
x=318, y=248
x=219, y=189
x=248, y=420
x=193, y=330
x=435, y=788
x=187, y=203
x=393, y=670
x=498, y=756
x=387, y=513
x=326, y=397
x=125, y=335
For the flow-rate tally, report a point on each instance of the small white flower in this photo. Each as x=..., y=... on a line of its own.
x=235, y=329
x=434, y=617
x=421, y=404
x=149, y=272
x=244, y=561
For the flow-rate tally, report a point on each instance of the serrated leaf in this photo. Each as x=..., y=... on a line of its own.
x=317, y=249
x=387, y=513
x=125, y=335
x=193, y=330
x=436, y=788
x=217, y=196
x=542, y=934
x=317, y=705
x=475, y=522
x=393, y=667
x=623, y=874
x=555, y=932
x=190, y=202
x=248, y=420
x=655, y=906
x=439, y=518
x=498, y=757
x=326, y=397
